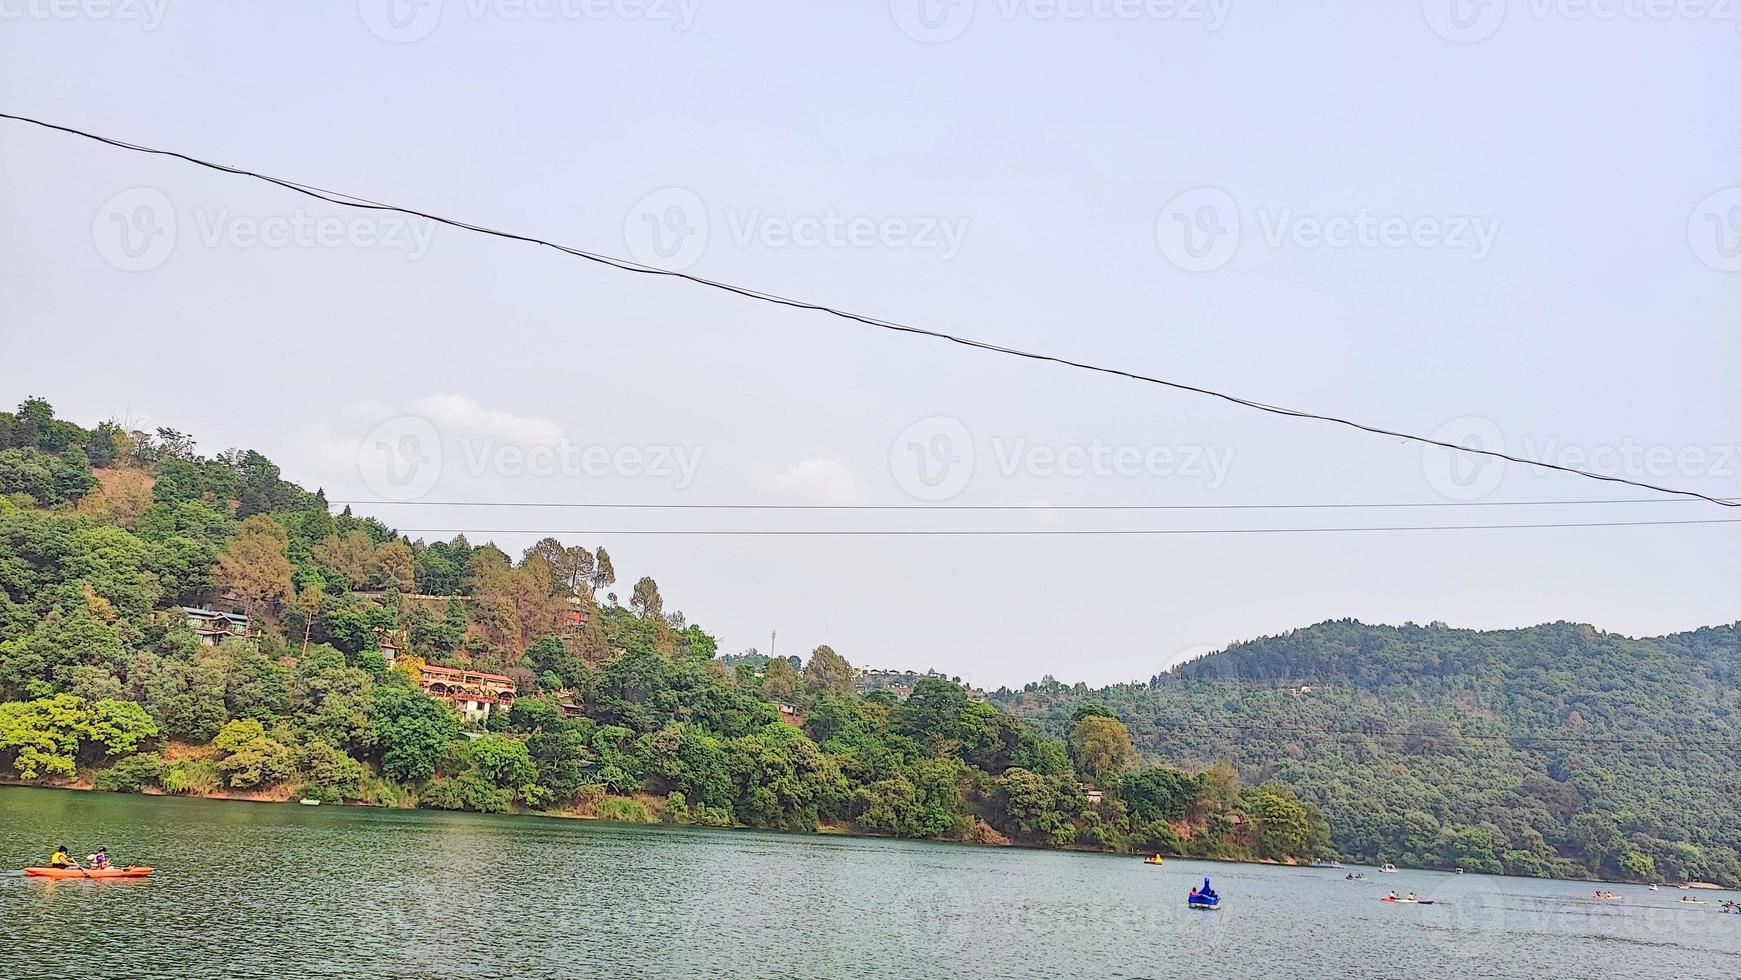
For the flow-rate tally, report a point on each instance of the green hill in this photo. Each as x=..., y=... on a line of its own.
x=183, y=623
x=1557, y=749
x=1554, y=750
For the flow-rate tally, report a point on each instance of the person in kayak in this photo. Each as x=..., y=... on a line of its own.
x=61, y=858
x=99, y=860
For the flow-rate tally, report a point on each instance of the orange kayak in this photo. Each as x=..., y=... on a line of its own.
x=76, y=873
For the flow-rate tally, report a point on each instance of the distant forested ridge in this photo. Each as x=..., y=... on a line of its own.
x=181, y=623
x=1555, y=750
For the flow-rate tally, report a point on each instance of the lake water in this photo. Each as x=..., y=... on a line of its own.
x=252, y=890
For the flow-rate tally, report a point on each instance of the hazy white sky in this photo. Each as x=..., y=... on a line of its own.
x=1516, y=223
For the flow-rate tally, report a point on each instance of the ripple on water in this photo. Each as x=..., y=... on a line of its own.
x=261, y=890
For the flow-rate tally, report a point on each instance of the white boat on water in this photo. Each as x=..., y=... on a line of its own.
x=1388, y=869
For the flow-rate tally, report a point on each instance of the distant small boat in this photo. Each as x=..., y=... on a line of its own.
x=1337, y=865
x=1388, y=869
x=1654, y=888
x=1459, y=870
x=309, y=801
x=1203, y=899
x=1156, y=859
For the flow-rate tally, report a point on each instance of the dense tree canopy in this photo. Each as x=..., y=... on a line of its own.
x=1416, y=742
x=1556, y=750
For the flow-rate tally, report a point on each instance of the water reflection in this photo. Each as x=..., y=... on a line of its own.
x=264, y=890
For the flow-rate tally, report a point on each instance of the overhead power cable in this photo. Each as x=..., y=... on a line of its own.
x=1055, y=532
x=1359, y=505
x=353, y=201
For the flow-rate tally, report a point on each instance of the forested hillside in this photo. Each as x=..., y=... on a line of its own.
x=1557, y=749
x=623, y=711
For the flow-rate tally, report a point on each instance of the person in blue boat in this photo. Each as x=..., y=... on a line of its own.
x=1205, y=895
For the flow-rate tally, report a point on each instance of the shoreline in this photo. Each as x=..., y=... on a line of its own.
x=833, y=831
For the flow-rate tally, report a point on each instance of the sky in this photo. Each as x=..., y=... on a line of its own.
x=1513, y=224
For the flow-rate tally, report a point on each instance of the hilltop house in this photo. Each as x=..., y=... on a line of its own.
x=389, y=642
x=474, y=692
x=212, y=626
x=901, y=683
x=569, y=702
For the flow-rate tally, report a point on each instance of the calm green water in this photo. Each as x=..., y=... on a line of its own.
x=246, y=890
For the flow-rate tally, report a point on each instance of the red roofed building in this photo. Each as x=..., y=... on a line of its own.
x=474, y=692
x=575, y=615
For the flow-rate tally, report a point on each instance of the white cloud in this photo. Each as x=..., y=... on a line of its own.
x=821, y=479
x=457, y=415
x=330, y=448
